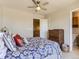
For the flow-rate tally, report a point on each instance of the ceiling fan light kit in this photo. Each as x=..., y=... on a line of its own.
x=38, y=8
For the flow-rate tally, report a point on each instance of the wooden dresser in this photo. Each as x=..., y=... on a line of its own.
x=56, y=35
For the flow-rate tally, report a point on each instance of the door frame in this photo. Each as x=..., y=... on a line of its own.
x=71, y=34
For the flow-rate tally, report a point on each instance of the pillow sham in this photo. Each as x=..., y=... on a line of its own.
x=3, y=48
x=9, y=42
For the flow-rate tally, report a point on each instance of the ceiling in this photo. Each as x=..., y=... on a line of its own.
x=23, y=4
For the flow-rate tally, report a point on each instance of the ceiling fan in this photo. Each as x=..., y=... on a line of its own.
x=38, y=5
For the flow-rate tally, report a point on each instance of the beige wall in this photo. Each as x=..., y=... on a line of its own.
x=61, y=19
x=1, y=17
x=19, y=21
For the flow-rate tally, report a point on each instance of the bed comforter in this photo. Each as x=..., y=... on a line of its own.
x=38, y=48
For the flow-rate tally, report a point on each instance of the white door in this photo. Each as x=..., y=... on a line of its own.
x=43, y=28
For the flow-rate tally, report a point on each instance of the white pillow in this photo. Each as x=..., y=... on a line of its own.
x=3, y=49
x=9, y=42
x=25, y=41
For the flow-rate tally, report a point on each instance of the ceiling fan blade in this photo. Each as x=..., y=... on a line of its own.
x=34, y=2
x=45, y=3
x=43, y=8
x=31, y=7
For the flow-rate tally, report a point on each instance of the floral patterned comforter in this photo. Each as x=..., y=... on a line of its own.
x=38, y=48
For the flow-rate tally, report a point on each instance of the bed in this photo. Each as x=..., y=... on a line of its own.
x=38, y=48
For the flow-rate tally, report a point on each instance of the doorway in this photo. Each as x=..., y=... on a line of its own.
x=36, y=28
x=75, y=29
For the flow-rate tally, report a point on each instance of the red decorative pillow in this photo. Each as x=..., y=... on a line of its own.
x=18, y=40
